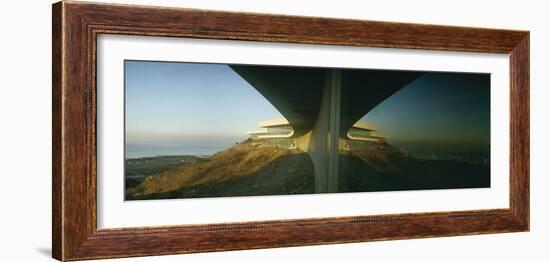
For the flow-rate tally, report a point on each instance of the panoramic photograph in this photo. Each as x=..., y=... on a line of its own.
x=197, y=130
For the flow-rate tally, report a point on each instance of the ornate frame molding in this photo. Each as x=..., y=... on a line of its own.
x=76, y=26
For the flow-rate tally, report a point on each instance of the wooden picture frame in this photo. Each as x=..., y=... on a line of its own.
x=76, y=26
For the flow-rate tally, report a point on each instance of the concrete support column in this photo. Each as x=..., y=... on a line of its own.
x=335, y=86
x=323, y=146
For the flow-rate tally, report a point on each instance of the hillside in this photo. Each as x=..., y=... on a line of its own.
x=138, y=169
x=244, y=169
x=383, y=167
x=253, y=169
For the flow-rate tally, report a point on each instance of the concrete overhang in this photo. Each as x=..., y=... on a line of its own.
x=296, y=92
x=365, y=126
x=257, y=132
x=273, y=123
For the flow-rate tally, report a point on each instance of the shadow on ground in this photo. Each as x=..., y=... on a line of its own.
x=248, y=170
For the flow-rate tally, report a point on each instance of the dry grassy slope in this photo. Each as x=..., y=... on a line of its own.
x=382, y=167
x=239, y=160
x=383, y=157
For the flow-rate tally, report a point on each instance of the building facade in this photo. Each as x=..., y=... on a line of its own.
x=279, y=133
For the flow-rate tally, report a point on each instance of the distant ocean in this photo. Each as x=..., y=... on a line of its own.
x=152, y=150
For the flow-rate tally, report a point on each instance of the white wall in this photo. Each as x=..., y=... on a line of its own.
x=25, y=151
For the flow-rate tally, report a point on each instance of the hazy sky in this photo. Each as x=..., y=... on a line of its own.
x=210, y=103
x=182, y=102
x=437, y=107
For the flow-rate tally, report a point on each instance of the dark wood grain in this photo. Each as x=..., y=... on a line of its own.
x=519, y=129
x=57, y=195
x=75, y=29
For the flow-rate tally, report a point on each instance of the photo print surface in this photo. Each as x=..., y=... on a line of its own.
x=196, y=130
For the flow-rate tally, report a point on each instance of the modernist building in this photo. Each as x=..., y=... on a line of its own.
x=360, y=135
x=279, y=133
x=321, y=106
